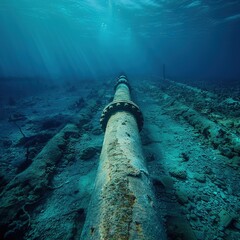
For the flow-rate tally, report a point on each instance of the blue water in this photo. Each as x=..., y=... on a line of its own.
x=197, y=40
x=55, y=56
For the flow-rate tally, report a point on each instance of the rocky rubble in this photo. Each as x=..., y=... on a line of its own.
x=205, y=193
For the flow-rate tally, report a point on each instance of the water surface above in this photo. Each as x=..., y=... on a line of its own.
x=69, y=38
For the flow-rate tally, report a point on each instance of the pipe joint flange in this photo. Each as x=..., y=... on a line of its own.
x=119, y=106
x=122, y=79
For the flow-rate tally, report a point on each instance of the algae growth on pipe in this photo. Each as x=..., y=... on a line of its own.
x=122, y=205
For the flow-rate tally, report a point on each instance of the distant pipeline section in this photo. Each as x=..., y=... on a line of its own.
x=212, y=116
x=123, y=203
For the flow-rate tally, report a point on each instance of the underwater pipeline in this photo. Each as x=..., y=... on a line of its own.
x=122, y=205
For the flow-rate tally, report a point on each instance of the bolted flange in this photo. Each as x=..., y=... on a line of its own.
x=119, y=106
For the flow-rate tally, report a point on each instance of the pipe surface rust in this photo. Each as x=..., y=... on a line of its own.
x=122, y=205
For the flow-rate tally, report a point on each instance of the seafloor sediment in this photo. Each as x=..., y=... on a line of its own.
x=50, y=146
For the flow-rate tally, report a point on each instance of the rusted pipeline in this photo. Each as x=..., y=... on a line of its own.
x=122, y=204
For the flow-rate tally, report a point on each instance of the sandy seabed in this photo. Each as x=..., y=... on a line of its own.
x=50, y=147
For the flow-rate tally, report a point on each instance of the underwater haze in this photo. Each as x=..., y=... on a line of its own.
x=76, y=39
x=153, y=154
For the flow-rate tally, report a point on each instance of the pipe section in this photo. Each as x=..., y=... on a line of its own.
x=123, y=203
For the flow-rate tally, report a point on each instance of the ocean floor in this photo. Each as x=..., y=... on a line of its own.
x=51, y=142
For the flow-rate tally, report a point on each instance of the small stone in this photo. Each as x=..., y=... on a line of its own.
x=184, y=157
x=199, y=214
x=193, y=217
x=181, y=197
x=225, y=218
x=222, y=195
x=179, y=174
x=213, y=218
x=163, y=181
x=89, y=153
x=200, y=177
x=205, y=198
x=221, y=229
x=208, y=170
x=208, y=208
x=220, y=183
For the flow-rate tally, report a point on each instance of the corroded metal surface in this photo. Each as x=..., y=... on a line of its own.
x=122, y=204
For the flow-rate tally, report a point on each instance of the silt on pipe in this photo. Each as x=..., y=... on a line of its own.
x=122, y=205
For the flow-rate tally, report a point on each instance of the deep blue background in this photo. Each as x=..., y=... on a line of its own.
x=196, y=40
